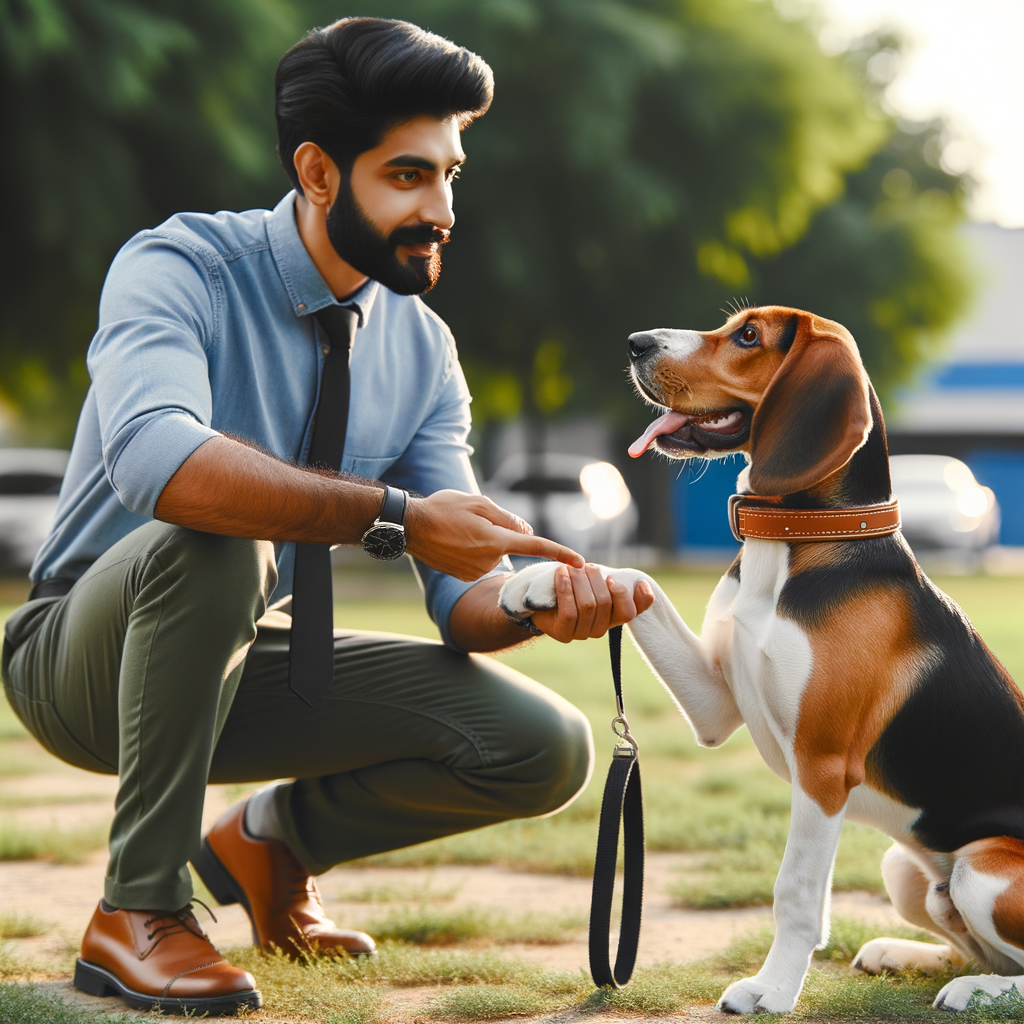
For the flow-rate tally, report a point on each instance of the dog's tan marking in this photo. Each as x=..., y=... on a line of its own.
x=866, y=663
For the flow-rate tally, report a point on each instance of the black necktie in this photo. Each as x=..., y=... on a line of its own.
x=311, y=649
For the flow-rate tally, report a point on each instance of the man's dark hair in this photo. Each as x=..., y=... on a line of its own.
x=345, y=86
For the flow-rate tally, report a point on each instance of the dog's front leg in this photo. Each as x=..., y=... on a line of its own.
x=676, y=655
x=801, y=911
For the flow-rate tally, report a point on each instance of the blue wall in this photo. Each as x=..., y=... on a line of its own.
x=700, y=497
x=1004, y=473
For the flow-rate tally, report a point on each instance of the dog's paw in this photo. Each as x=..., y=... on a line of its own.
x=979, y=990
x=529, y=590
x=752, y=995
x=886, y=954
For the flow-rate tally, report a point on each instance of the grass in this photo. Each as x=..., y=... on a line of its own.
x=428, y=927
x=21, y=926
x=59, y=846
x=472, y=986
x=397, y=894
x=723, y=807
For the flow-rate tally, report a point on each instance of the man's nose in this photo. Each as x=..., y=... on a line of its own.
x=438, y=209
x=640, y=344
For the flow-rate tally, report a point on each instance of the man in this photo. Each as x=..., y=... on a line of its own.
x=234, y=355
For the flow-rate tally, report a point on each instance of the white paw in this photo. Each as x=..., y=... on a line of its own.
x=979, y=989
x=886, y=954
x=752, y=994
x=530, y=590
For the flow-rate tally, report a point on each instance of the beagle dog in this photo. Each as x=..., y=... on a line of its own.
x=860, y=682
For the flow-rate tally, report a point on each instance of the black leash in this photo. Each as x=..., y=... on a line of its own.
x=623, y=801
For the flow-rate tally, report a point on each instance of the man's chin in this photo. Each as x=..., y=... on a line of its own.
x=417, y=276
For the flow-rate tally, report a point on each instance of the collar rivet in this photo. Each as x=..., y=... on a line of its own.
x=863, y=526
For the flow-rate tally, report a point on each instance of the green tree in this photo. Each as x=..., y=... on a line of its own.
x=116, y=114
x=647, y=161
x=644, y=163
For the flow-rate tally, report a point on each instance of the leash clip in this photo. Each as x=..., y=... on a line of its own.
x=627, y=745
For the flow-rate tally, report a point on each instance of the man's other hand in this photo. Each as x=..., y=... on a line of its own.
x=466, y=535
x=589, y=605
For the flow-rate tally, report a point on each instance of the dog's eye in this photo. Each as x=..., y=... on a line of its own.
x=748, y=336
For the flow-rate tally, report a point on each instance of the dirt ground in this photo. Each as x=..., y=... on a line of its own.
x=63, y=896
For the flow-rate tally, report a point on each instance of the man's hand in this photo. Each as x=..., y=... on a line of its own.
x=589, y=605
x=466, y=535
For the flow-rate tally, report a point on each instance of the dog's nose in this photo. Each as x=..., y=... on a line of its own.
x=640, y=344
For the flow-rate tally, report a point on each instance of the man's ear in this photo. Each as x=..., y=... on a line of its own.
x=814, y=413
x=317, y=174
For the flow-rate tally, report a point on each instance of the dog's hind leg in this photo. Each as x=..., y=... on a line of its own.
x=987, y=888
x=924, y=902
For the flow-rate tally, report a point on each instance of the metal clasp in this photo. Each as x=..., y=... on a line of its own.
x=627, y=745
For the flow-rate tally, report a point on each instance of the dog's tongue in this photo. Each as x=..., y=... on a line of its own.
x=667, y=424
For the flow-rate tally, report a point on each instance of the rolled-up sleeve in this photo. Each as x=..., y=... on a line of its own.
x=438, y=458
x=149, y=368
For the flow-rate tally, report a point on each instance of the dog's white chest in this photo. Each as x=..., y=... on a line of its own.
x=766, y=660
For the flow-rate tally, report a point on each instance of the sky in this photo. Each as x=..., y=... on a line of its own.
x=965, y=60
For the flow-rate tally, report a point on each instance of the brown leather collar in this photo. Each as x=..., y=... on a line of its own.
x=769, y=522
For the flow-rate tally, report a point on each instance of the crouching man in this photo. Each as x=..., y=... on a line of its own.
x=180, y=628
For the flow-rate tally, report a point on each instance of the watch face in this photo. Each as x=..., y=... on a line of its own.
x=385, y=542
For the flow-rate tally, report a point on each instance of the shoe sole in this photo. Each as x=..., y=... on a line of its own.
x=97, y=981
x=223, y=888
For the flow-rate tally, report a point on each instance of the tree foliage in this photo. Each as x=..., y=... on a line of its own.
x=644, y=162
x=647, y=161
x=116, y=114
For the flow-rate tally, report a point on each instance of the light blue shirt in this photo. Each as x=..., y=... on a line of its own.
x=206, y=327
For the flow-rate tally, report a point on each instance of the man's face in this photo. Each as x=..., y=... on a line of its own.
x=391, y=217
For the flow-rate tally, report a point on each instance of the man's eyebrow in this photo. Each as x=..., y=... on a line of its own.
x=409, y=160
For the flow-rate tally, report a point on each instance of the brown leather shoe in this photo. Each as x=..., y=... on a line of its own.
x=277, y=892
x=160, y=960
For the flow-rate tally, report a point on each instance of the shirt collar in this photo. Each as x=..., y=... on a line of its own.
x=307, y=290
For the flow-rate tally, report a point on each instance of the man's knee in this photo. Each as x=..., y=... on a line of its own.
x=558, y=761
x=219, y=572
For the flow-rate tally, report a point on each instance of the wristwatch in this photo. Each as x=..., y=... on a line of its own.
x=385, y=539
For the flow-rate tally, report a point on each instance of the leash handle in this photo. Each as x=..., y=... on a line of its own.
x=622, y=803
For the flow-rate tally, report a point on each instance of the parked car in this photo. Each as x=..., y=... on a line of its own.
x=575, y=500
x=30, y=480
x=941, y=504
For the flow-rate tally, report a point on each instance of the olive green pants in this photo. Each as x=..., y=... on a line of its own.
x=152, y=669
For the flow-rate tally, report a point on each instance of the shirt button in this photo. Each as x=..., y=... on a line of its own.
x=300, y=307
x=326, y=350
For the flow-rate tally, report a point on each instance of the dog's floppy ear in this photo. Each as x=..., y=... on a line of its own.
x=814, y=414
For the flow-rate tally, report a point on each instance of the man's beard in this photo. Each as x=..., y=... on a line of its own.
x=361, y=245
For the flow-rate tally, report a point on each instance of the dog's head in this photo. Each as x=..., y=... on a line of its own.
x=783, y=385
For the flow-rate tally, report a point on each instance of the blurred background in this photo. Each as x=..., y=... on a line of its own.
x=646, y=163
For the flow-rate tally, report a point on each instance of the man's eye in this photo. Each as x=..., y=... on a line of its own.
x=407, y=177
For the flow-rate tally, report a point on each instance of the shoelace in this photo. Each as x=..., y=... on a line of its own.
x=181, y=921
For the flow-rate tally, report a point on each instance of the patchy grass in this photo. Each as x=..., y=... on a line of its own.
x=397, y=894
x=427, y=927
x=491, y=1002
x=21, y=926
x=51, y=844
x=25, y=1004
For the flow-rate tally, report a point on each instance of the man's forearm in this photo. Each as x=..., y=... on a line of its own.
x=478, y=624
x=228, y=488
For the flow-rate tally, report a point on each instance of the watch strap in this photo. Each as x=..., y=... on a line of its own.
x=392, y=509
